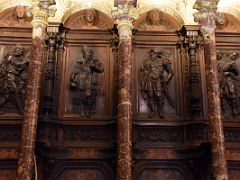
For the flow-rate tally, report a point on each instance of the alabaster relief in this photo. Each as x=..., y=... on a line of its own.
x=13, y=77
x=84, y=82
x=156, y=73
x=229, y=83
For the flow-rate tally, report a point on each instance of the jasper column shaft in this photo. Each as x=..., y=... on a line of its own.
x=31, y=107
x=219, y=165
x=124, y=106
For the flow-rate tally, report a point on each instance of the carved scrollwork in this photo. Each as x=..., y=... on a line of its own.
x=229, y=83
x=84, y=82
x=156, y=73
x=13, y=77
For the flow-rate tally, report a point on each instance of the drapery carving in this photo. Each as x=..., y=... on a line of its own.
x=156, y=72
x=85, y=83
x=13, y=77
x=229, y=83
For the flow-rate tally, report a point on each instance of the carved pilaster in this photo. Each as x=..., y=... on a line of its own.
x=207, y=17
x=40, y=12
x=124, y=106
x=191, y=42
x=53, y=41
x=114, y=45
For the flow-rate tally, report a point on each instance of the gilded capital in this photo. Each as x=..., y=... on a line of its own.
x=124, y=16
x=207, y=16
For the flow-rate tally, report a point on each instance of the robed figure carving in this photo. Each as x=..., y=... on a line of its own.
x=156, y=72
x=84, y=82
x=13, y=77
x=229, y=83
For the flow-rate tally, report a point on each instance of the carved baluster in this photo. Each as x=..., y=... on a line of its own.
x=191, y=43
x=207, y=17
x=114, y=46
x=40, y=11
x=53, y=40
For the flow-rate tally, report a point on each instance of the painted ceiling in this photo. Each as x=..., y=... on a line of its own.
x=180, y=9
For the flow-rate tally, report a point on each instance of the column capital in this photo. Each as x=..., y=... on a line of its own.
x=207, y=16
x=40, y=11
x=124, y=15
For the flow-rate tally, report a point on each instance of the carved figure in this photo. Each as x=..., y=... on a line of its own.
x=90, y=18
x=13, y=76
x=154, y=21
x=156, y=72
x=20, y=14
x=229, y=83
x=85, y=82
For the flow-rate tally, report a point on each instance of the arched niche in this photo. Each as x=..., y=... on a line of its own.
x=80, y=20
x=230, y=23
x=15, y=17
x=156, y=20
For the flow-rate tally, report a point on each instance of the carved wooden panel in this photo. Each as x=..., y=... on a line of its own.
x=158, y=136
x=157, y=170
x=161, y=174
x=230, y=23
x=103, y=107
x=81, y=174
x=81, y=170
x=14, y=60
x=155, y=20
x=89, y=19
x=8, y=174
x=8, y=169
x=15, y=17
x=174, y=86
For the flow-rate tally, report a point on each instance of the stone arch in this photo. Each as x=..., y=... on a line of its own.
x=230, y=23
x=15, y=17
x=77, y=20
x=166, y=22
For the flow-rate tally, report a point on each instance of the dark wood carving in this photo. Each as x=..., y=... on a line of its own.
x=53, y=41
x=192, y=44
x=156, y=72
x=13, y=77
x=162, y=170
x=85, y=82
x=229, y=83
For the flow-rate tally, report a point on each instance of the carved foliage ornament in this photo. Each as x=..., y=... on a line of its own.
x=156, y=72
x=13, y=76
x=84, y=82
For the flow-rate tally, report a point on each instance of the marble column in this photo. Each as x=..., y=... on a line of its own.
x=124, y=105
x=40, y=12
x=207, y=17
